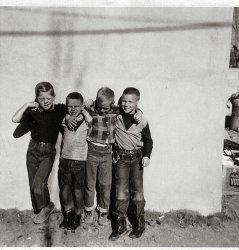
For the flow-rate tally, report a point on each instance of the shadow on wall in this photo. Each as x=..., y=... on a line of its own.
x=195, y=26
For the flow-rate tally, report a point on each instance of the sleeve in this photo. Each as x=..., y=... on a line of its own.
x=61, y=129
x=22, y=129
x=88, y=104
x=61, y=110
x=27, y=116
x=24, y=126
x=147, y=140
x=87, y=116
x=116, y=109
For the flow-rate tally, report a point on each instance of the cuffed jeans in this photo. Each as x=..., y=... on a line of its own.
x=71, y=179
x=129, y=186
x=40, y=159
x=98, y=170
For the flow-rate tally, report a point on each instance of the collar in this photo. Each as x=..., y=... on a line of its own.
x=42, y=110
x=80, y=117
x=128, y=115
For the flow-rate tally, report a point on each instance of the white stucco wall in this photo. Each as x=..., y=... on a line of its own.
x=177, y=57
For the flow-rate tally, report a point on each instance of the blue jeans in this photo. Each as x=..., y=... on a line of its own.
x=129, y=186
x=98, y=171
x=40, y=159
x=71, y=179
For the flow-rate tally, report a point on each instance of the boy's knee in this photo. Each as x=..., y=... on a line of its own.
x=37, y=190
x=137, y=196
x=122, y=195
x=104, y=187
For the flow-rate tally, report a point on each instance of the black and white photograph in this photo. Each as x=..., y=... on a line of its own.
x=119, y=124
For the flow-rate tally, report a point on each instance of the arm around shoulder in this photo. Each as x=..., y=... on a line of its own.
x=88, y=117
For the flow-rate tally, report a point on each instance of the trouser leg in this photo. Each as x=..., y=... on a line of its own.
x=79, y=186
x=104, y=181
x=40, y=159
x=65, y=186
x=122, y=171
x=90, y=182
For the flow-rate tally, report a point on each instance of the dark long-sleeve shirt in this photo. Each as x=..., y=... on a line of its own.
x=43, y=124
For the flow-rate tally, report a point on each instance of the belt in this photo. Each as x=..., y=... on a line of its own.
x=42, y=143
x=101, y=147
x=99, y=144
x=128, y=153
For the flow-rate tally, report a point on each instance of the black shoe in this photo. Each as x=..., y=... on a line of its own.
x=138, y=228
x=65, y=221
x=136, y=233
x=76, y=221
x=71, y=222
x=119, y=229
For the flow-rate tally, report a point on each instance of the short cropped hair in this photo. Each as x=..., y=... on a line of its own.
x=105, y=94
x=132, y=91
x=75, y=95
x=44, y=87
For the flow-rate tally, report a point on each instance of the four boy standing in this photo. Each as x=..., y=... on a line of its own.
x=109, y=124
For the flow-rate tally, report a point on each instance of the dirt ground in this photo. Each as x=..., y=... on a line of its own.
x=179, y=228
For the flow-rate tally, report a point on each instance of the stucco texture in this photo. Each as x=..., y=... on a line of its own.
x=176, y=57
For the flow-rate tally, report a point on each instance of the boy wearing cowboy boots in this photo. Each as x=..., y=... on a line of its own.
x=133, y=147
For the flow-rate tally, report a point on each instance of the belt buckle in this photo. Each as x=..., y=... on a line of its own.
x=131, y=154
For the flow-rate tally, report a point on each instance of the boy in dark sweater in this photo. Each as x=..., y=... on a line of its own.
x=43, y=119
x=133, y=148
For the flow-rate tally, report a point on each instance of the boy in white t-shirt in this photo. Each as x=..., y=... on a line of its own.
x=71, y=174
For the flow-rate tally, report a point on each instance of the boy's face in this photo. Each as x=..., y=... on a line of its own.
x=129, y=103
x=104, y=106
x=74, y=107
x=45, y=100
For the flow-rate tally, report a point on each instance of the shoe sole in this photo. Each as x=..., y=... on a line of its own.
x=123, y=235
x=40, y=222
x=135, y=237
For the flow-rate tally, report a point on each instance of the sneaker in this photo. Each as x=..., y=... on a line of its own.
x=44, y=213
x=102, y=220
x=89, y=219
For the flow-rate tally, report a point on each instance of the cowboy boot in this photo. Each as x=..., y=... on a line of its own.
x=138, y=228
x=119, y=228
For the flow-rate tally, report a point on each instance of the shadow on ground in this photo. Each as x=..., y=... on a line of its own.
x=181, y=228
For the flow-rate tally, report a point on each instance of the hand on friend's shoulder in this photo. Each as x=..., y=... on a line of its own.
x=32, y=104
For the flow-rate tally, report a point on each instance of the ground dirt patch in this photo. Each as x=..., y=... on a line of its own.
x=181, y=228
